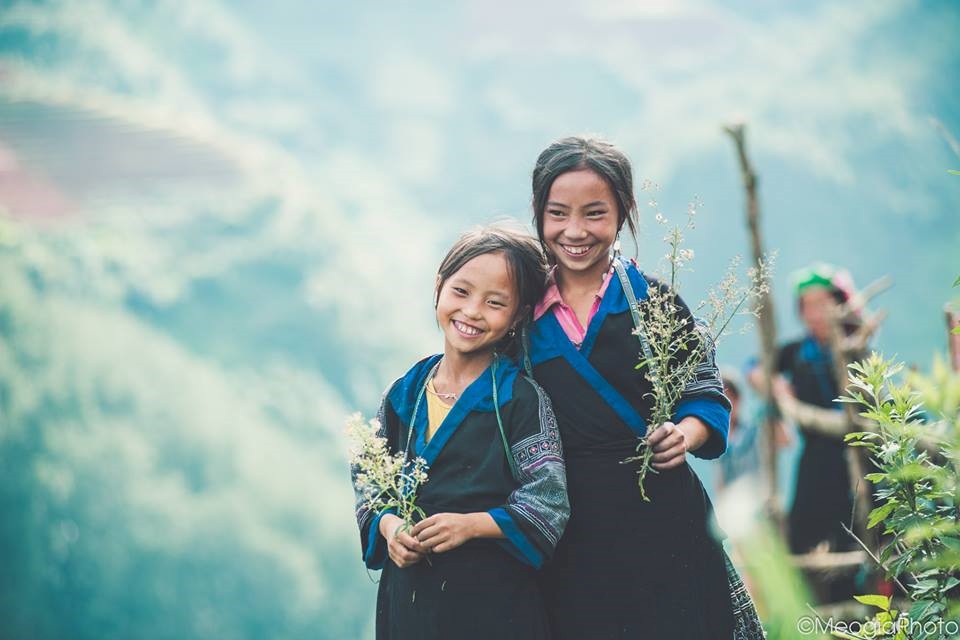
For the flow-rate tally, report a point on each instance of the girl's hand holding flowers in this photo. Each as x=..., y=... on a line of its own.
x=669, y=447
x=446, y=531
x=402, y=547
x=671, y=442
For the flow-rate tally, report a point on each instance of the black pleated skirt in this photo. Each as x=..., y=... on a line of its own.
x=823, y=500
x=626, y=568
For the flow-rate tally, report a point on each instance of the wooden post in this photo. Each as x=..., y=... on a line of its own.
x=856, y=462
x=768, y=336
x=846, y=349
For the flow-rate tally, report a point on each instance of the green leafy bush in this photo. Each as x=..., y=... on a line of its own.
x=913, y=445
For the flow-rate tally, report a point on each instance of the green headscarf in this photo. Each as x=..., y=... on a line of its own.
x=825, y=275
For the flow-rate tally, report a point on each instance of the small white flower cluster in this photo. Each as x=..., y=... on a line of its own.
x=889, y=449
x=653, y=187
x=383, y=480
x=726, y=300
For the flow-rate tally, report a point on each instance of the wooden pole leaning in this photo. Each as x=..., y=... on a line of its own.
x=768, y=332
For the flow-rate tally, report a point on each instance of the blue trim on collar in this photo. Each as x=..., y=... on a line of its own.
x=614, y=301
x=403, y=394
x=548, y=341
x=478, y=396
x=507, y=372
x=542, y=347
x=821, y=361
x=810, y=350
x=582, y=366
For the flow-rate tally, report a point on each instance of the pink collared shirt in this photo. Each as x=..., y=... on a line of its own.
x=564, y=313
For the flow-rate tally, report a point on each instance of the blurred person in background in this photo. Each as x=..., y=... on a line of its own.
x=804, y=367
x=742, y=456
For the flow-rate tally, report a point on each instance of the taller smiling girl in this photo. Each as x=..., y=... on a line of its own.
x=625, y=568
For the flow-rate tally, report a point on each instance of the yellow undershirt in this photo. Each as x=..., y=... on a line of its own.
x=437, y=410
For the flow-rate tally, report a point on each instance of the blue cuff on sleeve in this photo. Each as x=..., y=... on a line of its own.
x=515, y=542
x=715, y=415
x=376, y=554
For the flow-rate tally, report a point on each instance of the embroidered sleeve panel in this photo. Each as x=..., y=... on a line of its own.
x=703, y=398
x=540, y=504
x=706, y=380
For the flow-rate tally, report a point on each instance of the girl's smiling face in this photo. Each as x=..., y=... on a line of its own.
x=477, y=305
x=580, y=222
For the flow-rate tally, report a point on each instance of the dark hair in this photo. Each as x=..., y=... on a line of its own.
x=584, y=152
x=730, y=387
x=525, y=262
x=839, y=296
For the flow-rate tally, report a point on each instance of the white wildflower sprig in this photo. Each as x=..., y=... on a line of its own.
x=384, y=480
x=677, y=345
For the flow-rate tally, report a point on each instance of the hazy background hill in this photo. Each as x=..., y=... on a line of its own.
x=220, y=223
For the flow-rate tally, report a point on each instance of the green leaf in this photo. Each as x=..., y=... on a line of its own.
x=955, y=330
x=922, y=608
x=911, y=472
x=956, y=282
x=950, y=542
x=880, y=602
x=956, y=173
x=925, y=586
x=899, y=565
x=879, y=514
